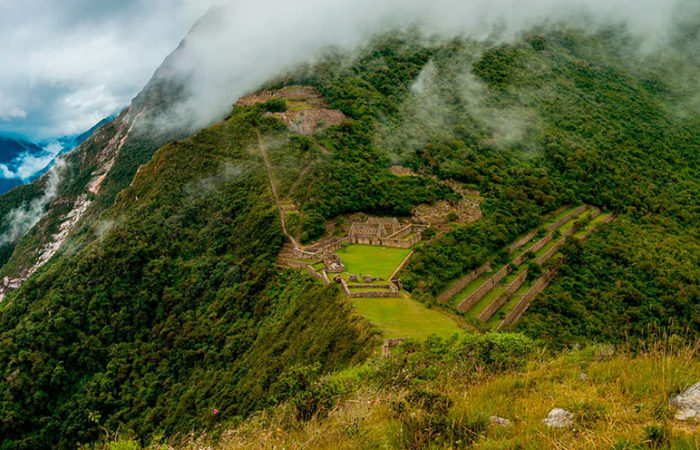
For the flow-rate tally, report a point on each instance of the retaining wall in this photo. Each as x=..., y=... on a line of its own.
x=463, y=282
x=592, y=229
x=522, y=241
x=495, y=305
x=567, y=217
x=524, y=302
x=386, y=242
x=401, y=266
x=473, y=298
x=392, y=293
x=537, y=246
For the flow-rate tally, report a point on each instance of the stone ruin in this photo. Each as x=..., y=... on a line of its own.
x=385, y=232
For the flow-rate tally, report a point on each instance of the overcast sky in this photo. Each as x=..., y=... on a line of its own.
x=66, y=64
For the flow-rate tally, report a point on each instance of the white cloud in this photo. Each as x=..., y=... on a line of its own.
x=247, y=42
x=68, y=64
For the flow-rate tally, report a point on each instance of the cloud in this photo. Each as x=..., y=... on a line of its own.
x=22, y=219
x=243, y=43
x=68, y=64
x=72, y=62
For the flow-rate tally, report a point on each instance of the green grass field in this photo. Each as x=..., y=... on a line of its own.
x=368, y=259
x=404, y=317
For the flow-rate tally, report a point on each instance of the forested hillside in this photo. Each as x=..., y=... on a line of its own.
x=168, y=304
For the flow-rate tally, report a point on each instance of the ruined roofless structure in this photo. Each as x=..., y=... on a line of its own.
x=384, y=231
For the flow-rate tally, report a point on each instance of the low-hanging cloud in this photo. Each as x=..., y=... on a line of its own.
x=73, y=62
x=243, y=43
x=68, y=64
x=23, y=218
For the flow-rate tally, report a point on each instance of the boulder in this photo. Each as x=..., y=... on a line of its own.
x=559, y=418
x=367, y=279
x=353, y=279
x=500, y=421
x=687, y=404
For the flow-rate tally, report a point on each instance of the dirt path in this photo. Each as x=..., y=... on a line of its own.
x=274, y=189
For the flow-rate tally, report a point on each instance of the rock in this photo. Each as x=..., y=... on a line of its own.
x=687, y=403
x=500, y=421
x=367, y=278
x=353, y=278
x=583, y=377
x=559, y=418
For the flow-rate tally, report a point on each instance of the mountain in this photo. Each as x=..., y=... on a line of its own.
x=543, y=187
x=13, y=154
x=22, y=161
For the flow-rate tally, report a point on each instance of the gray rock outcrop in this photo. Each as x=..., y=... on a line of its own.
x=559, y=418
x=500, y=421
x=687, y=404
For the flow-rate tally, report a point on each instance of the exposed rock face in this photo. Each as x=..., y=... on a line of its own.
x=559, y=418
x=500, y=421
x=307, y=111
x=687, y=403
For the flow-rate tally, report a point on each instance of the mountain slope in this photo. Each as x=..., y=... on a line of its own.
x=14, y=152
x=165, y=301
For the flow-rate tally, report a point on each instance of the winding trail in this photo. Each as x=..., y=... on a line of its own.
x=274, y=189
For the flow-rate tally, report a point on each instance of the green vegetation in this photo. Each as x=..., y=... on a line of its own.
x=651, y=284
x=377, y=261
x=441, y=393
x=405, y=318
x=604, y=132
x=167, y=303
x=176, y=308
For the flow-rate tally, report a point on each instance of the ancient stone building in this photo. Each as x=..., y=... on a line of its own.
x=387, y=232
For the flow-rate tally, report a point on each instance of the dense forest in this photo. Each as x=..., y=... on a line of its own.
x=172, y=305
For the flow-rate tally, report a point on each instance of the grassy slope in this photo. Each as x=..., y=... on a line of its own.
x=404, y=317
x=622, y=404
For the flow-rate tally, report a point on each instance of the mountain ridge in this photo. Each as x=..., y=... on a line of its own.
x=159, y=298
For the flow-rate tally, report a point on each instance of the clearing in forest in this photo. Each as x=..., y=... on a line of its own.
x=372, y=260
x=404, y=317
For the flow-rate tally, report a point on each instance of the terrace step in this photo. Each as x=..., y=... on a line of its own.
x=474, y=297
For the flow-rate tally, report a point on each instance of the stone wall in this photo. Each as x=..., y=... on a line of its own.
x=522, y=241
x=374, y=294
x=366, y=229
x=402, y=243
x=567, y=217
x=385, y=242
x=391, y=293
x=495, y=305
x=401, y=266
x=536, y=247
x=463, y=282
x=403, y=232
x=390, y=224
x=524, y=302
x=318, y=275
x=327, y=245
x=473, y=298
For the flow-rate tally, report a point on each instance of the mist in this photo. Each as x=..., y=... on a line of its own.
x=239, y=45
x=23, y=218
